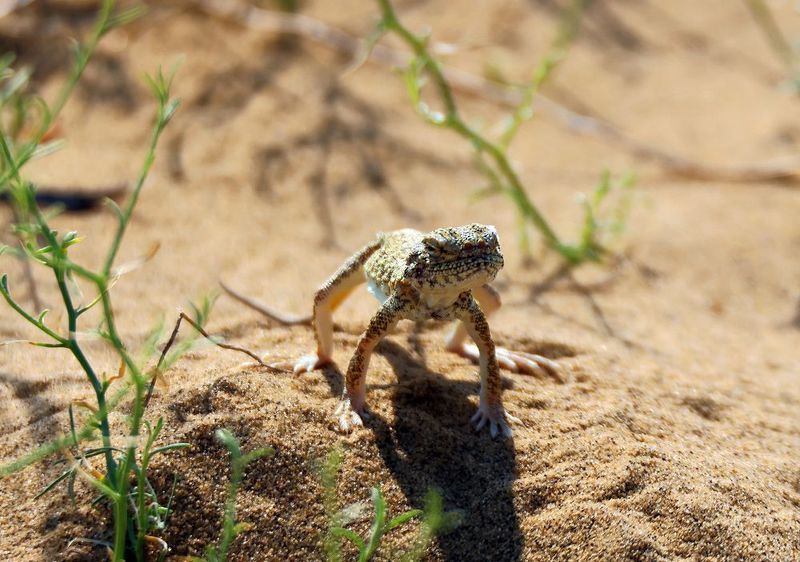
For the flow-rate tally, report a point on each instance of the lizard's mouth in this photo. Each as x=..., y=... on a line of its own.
x=466, y=267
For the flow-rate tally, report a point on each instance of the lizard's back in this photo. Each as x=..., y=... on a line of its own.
x=388, y=264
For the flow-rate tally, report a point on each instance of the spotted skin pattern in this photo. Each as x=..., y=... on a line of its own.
x=443, y=275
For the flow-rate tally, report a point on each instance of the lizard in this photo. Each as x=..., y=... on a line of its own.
x=444, y=274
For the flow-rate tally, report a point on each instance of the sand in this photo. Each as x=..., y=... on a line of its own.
x=675, y=435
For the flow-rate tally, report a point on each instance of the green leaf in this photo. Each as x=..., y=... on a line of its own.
x=47, y=344
x=231, y=443
x=241, y=527
x=171, y=447
x=403, y=518
x=88, y=453
x=6, y=60
x=70, y=239
x=257, y=454
x=414, y=82
x=367, y=47
x=126, y=17
x=349, y=535
x=111, y=204
x=17, y=82
x=102, y=487
x=159, y=426
x=376, y=531
x=380, y=505
x=169, y=110
x=53, y=483
x=46, y=149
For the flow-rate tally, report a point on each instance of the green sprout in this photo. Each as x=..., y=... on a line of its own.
x=435, y=520
x=230, y=527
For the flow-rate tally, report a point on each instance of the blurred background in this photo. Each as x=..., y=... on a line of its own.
x=291, y=149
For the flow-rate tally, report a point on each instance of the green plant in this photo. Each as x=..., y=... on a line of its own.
x=434, y=519
x=492, y=156
x=239, y=461
x=124, y=484
x=329, y=473
x=380, y=526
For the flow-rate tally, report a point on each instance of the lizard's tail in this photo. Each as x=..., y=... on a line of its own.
x=285, y=319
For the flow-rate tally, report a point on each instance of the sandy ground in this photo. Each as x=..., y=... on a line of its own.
x=675, y=436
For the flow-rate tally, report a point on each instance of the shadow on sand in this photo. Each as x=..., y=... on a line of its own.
x=430, y=444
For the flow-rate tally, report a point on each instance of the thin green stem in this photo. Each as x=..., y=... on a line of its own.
x=141, y=490
x=48, y=248
x=452, y=120
x=392, y=23
x=22, y=312
x=83, y=55
x=515, y=185
x=124, y=217
x=120, y=527
x=780, y=45
x=100, y=396
x=60, y=257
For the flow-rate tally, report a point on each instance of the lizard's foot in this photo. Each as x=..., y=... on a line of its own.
x=305, y=364
x=497, y=418
x=350, y=414
x=514, y=361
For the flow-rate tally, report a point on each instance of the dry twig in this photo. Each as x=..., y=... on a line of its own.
x=182, y=316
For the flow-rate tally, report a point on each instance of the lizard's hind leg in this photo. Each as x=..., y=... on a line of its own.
x=514, y=361
x=327, y=299
x=490, y=410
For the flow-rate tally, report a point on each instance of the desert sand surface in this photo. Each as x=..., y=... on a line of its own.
x=675, y=434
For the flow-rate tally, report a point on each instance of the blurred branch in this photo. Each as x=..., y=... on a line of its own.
x=777, y=40
x=269, y=21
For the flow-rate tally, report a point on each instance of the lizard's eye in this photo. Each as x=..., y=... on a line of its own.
x=431, y=245
x=468, y=246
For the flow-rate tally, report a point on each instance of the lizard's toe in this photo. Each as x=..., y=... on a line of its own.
x=529, y=363
x=507, y=363
x=478, y=420
x=514, y=361
x=349, y=417
x=305, y=364
x=496, y=418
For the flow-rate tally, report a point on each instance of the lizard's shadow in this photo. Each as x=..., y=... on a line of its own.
x=430, y=444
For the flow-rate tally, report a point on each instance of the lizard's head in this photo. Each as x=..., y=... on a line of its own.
x=462, y=257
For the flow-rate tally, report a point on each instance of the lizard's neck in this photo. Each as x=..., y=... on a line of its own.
x=440, y=297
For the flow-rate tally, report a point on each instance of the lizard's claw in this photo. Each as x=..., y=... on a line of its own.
x=516, y=361
x=305, y=364
x=349, y=415
x=497, y=419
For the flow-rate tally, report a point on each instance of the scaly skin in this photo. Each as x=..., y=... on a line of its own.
x=417, y=276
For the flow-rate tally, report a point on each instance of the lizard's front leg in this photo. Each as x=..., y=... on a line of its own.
x=490, y=408
x=514, y=361
x=327, y=299
x=352, y=407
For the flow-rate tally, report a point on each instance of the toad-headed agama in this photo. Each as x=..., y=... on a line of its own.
x=443, y=275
